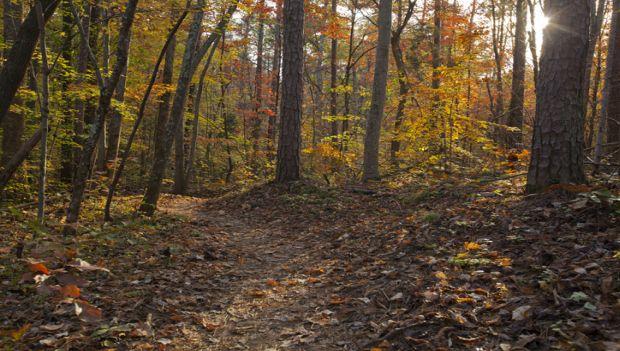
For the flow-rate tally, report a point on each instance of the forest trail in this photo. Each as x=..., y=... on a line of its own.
x=450, y=266
x=270, y=297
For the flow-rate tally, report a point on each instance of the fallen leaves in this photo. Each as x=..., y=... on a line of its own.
x=87, y=312
x=70, y=291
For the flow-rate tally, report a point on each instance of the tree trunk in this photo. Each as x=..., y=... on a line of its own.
x=596, y=22
x=18, y=58
x=557, y=144
x=258, y=81
x=191, y=59
x=379, y=84
x=532, y=41
x=163, y=111
x=403, y=79
x=18, y=158
x=105, y=98
x=169, y=57
x=598, y=71
x=275, y=80
x=611, y=74
x=289, y=145
x=613, y=110
x=44, y=106
x=515, y=114
x=333, y=69
x=66, y=148
x=116, y=121
x=13, y=126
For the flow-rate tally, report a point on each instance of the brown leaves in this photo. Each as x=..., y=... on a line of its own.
x=87, y=312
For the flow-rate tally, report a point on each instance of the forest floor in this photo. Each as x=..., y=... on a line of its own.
x=452, y=264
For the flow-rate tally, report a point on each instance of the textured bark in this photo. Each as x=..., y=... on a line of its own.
x=105, y=98
x=557, y=144
x=18, y=58
x=515, y=114
x=333, y=74
x=191, y=59
x=13, y=126
x=379, y=85
x=289, y=145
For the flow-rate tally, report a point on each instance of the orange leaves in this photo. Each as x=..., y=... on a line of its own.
x=38, y=267
x=70, y=291
x=471, y=246
x=272, y=282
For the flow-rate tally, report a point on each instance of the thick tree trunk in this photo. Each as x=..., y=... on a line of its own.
x=191, y=59
x=515, y=114
x=557, y=144
x=105, y=98
x=13, y=126
x=379, y=84
x=18, y=58
x=289, y=145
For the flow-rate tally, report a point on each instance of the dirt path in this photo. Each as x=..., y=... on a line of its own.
x=270, y=296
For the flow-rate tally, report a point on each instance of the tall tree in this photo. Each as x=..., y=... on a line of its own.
x=116, y=121
x=18, y=58
x=613, y=109
x=289, y=145
x=403, y=78
x=191, y=59
x=333, y=71
x=13, y=126
x=515, y=114
x=275, y=79
x=258, y=79
x=612, y=73
x=105, y=98
x=557, y=143
x=379, y=85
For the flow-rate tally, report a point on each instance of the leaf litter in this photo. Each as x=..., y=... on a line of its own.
x=314, y=268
